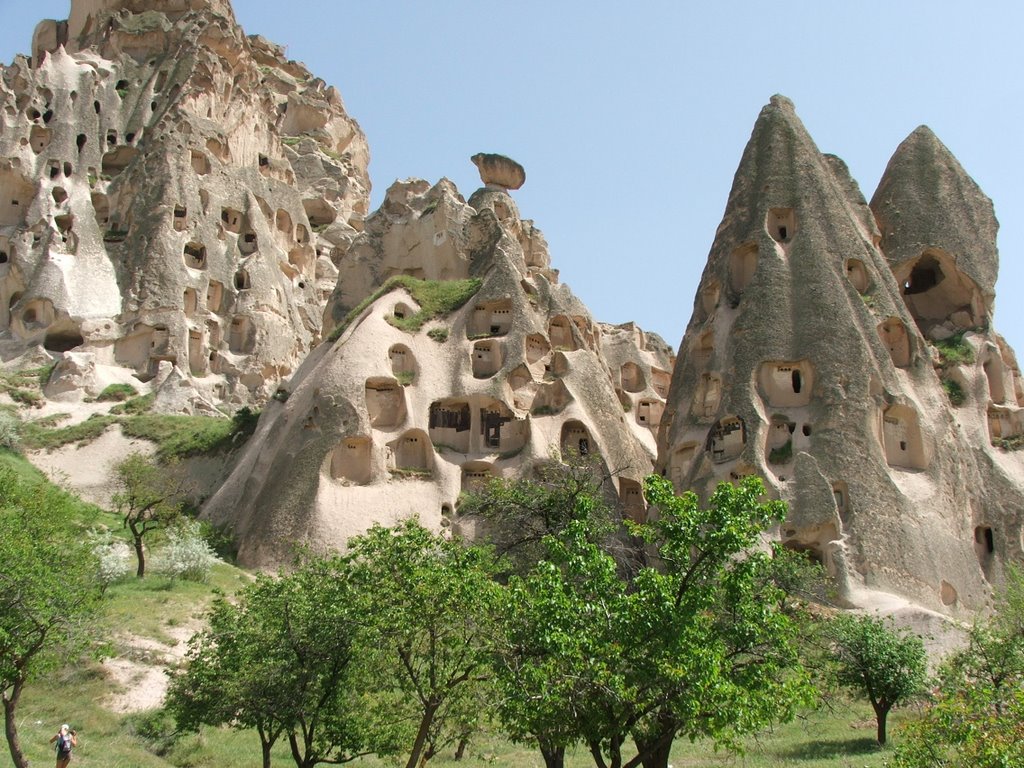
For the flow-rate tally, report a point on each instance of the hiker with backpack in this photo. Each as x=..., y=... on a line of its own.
x=65, y=739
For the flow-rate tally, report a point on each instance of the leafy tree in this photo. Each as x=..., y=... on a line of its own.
x=280, y=659
x=427, y=603
x=698, y=646
x=518, y=513
x=977, y=719
x=876, y=659
x=149, y=496
x=49, y=591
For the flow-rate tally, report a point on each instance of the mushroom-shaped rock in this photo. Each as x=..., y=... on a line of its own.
x=499, y=171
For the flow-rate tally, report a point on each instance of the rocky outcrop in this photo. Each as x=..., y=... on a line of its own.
x=173, y=192
x=393, y=421
x=184, y=209
x=804, y=363
x=939, y=235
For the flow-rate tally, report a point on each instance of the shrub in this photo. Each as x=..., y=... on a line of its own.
x=955, y=351
x=782, y=454
x=954, y=392
x=186, y=555
x=220, y=539
x=117, y=392
x=440, y=335
x=135, y=405
x=435, y=297
x=114, y=558
x=10, y=431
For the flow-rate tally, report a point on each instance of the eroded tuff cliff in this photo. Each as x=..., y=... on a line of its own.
x=807, y=361
x=390, y=421
x=174, y=197
x=183, y=208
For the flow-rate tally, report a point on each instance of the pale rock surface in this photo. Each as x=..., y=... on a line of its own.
x=384, y=424
x=804, y=364
x=165, y=183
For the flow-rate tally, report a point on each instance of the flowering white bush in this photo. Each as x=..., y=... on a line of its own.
x=186, y=555
x=10, y=431
x=114, y=558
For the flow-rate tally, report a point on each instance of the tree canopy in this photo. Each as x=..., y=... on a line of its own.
x=878, y=660
x=976, y=720
x=698, y=646
x=49, y=590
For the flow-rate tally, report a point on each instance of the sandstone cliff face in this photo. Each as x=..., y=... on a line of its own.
x=807, y=362
x=387, y=423
x=173, y=195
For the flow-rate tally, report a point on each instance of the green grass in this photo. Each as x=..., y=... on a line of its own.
x=435, y=297
x=25, y=387
x=156, y=609
x=1014, y=443
x=405, y=378
x=135, y=405
x=954, y=392
x=440, y=335
x=955, y=351
x=117, y=393
x=782, y=454
x=35, y=435
x=176, y=437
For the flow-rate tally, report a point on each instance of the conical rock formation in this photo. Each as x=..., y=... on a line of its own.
x=802, y=363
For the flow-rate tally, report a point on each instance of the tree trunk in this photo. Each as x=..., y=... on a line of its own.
x=657, y=753
x=266, y=752
x=421, y=736
x=554, y=757
x=11, y=725
x=881, y=713
x=140, y=555
x=654, y=748
x=460, y=750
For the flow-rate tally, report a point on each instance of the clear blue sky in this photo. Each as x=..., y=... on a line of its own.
x=630, y=120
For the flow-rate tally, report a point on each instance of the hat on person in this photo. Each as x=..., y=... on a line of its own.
x=65, y=727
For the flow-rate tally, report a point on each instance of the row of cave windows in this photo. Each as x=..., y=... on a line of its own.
x=743, y=264
x=412, y=456
x=494, y=318
x=414, y=450
x=892, y=332
x=318, y=212
x=901, y=439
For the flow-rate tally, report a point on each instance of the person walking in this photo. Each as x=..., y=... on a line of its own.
x=65, y=739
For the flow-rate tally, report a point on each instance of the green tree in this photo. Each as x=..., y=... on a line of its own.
x=875, y=659
x=49, y=590
x=699, y=646
x=280, y=658
x=977, y=718
x=149, y=496
x=518, y=513
x=427, y=603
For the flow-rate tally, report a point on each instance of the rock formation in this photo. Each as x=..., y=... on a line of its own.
x=183, y=208
x=395, y=420
x=807, y=361
x=174, y=194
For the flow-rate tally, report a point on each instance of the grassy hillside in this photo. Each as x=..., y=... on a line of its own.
x=148, y=620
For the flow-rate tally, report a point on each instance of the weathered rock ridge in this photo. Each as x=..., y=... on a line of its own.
x=390, y=422
x=174, y=195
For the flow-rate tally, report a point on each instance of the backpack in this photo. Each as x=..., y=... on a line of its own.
x=63, y=745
